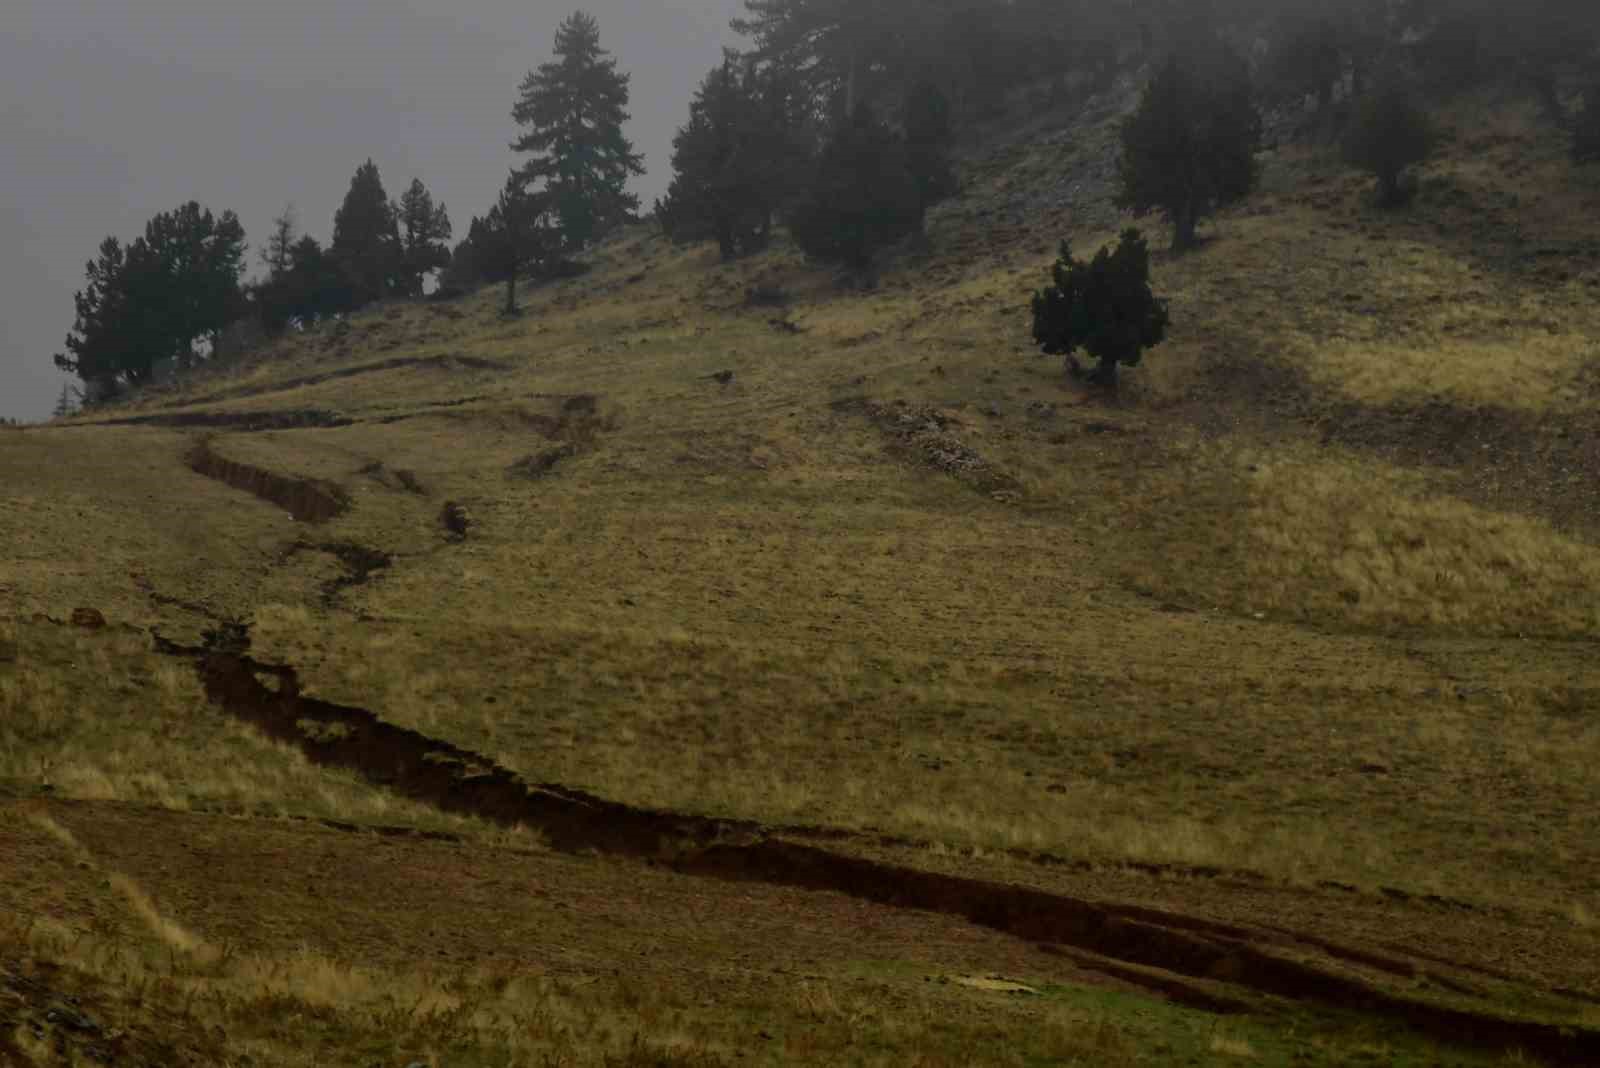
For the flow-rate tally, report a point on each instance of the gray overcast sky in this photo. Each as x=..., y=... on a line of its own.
x=114, y=110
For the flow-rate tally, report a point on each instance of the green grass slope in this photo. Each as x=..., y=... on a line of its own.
x=1315, y=599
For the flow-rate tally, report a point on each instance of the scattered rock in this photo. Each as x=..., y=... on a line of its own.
x=88, y=618
x=723, y=377
x=929, y=435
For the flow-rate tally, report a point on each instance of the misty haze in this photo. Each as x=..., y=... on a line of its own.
x=839, y=532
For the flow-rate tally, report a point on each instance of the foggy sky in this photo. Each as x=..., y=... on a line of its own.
x=114, y=110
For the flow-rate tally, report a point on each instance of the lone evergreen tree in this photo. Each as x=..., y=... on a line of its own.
x=425, y=236
x=65, y=405
x=1388, y=134
x=574, y=108
x=863, y=197
x=1105, y=307
x=1190, y=147
x=366, y=238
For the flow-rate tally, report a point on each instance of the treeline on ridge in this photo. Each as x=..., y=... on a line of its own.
x=838, y=122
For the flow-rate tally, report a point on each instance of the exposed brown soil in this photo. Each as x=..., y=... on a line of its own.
x=1185, y=950
x=307, y=500
x=538, y=464
x=295, y=419
x=398, y=479
x=360, y=564
x=455, y=520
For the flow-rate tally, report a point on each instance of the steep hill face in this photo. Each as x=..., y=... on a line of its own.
x=1315, y=598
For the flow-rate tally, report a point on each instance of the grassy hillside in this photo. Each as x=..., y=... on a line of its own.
x=1307, y=614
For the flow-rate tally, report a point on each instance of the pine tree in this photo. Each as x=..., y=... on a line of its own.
x=425, y=233
x=64, y=403
x=276, y=256
x=734, y=161
x=1104, y=307
x=156, y=297
x=1388, y=134
x=518, y=236
x=366, y=238
x=844, y=52
x=574, y=108
x=1586, y=130
x=1190, y=147
x=928, y=137
x=863, y=197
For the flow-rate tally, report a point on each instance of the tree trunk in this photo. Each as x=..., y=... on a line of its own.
x=1389, y=188
x=511, y=293
x=1183, y=227
x=1105, y=374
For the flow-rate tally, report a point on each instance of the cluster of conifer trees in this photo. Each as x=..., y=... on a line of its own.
x=838, y=122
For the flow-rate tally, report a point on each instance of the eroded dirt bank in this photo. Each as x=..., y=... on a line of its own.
x=1211, y=965
x=308, y=500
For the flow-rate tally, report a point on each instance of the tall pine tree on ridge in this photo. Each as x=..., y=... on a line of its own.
x=574, y=108
x=366, y=238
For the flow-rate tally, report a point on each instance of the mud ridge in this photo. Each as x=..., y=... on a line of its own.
x=360, y=564
x=307, y=500
x=293, y=419
x=1193, y=960
x=444, y=363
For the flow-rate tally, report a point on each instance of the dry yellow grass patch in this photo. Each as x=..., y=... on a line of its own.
x=1533, y=371
x=1326, y=533
x=1329, y=536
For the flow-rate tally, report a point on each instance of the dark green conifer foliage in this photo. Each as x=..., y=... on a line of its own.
x=312, y=288
x=1104, y=307
x=1388, y=133
x=862, y=198
x=424, y=236
x=928, y=137
x=574, y=108
x=840, y=51
x=1586, y=130
x=734, y=161
x=517, y=236
x=366, y=238
x=156, y=297
x=1190, y=147
x=276, y=254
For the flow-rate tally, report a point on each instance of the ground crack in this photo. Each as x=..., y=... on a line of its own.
x=1213, y=966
